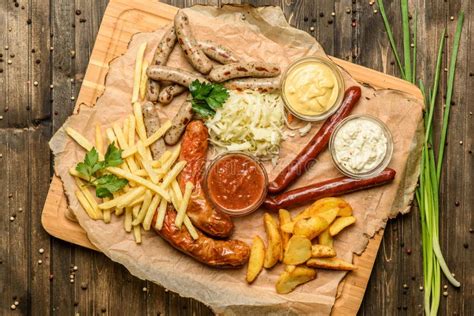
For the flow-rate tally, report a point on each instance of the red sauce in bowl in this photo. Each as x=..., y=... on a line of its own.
x=236, y=183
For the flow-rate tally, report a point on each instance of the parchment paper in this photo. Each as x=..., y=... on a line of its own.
x=264, y=35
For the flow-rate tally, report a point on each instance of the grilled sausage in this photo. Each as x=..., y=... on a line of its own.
x=186, y=40
x=215, y=253
x=152, y=124
x=333, y=187
x=242, y=70
x=200, y=211
x=162, y=53
x=262, y=85
x=217, y=52
x=317, y=144
x=179, y=76
x=168, y=93
x=179, y=123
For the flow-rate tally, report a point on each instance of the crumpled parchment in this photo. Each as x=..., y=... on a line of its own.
x=263, y=35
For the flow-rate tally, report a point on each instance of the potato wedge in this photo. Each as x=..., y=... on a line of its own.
x=329, y=215
x=285, y=218
x=341, y=223
x=298, y=250
x=321, y=251
x=287, y=227
x=288, y=281
x=310, y=227
x=325, y=239
x=257, y=256
x=325, y=204
x=273, y=252
x=331, y=264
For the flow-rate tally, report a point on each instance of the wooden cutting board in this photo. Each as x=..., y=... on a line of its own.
x=122, y=19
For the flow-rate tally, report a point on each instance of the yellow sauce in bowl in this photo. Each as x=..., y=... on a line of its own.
x=312, y=88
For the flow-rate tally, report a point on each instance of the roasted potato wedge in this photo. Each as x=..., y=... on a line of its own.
x=325, y=204
x=284, y=217
x=331, y=264
x=325, y=239
x=341, y=223
x=288, y=281
x=298, y=250
x=329, y=215
x=273, y=252
x=257, y=256
x=288, y=227
x=310, y=227
x=321, y=251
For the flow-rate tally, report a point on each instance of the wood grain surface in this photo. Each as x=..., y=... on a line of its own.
x=49, y=43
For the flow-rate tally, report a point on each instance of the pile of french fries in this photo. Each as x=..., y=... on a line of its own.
x=291, y=242
x=152, y=183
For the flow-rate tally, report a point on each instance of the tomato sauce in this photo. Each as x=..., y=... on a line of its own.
x=236, y=183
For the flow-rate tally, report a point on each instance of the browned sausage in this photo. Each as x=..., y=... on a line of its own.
x=179, y=123
x=202, y=214
x=333, y=187
x=186, y=40
x=168, y=93
x=152, y=124
x=217, y=52
x=242, y=70
x=179, y=76
x=262, y=85
x=215, y=253
x=317, y=144
x=162, y=53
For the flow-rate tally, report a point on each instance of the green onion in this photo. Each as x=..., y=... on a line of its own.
x=427, y=193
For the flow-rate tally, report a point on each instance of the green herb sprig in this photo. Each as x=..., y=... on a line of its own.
x=93, y=170
x=207, y=97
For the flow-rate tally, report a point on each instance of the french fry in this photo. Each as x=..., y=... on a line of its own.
x=189, y=226
x=92, y=202
x=321, y=251
x=127, y=222
x=151, y=212
x=124, y=130
x=161, y=214
x=127, y=197
x=86, y=206
x=135, y=211
x=138, y=200
x=147, y=164
x=111, y=137
x=325, y=239
x=140, y=126
x=143, y=81
x=170, y=176
x=171, y=160
x=77, y=174
x=285, y=218
x=143, y=209
x=331, y=264
x=158, y=163
x=150, y=140
x=177, y=190
x=131, y=130
x=138, y=72
x=341, y=223
x=137, y=234
x=106, y=216
x=131, y=177
x=257, y=255
x=99, y=143
x=184, y=204
x=78, y=138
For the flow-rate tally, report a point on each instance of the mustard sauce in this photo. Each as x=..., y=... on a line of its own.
x=311, y=88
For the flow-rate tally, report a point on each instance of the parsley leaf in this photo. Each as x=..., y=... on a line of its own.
x=105, y=184
x=207, y=97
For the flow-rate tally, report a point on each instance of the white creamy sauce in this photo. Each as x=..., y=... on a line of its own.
x=360, y=145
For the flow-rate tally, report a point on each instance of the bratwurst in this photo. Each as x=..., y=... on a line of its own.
x=262, y=85
x=217, y=52
x=152, y=124
x=179, y=123
x=186, y=40
x=202, y=214
x=179, y=76
x=215, y=253
x=242, y=70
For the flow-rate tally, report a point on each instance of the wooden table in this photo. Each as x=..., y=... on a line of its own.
x=48, y=43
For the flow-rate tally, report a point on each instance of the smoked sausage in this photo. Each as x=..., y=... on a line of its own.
x=332, y=187
x=316, y=145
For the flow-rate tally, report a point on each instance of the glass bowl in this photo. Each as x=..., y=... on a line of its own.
x=339, y=80
x=233, y=184
x=374, y=170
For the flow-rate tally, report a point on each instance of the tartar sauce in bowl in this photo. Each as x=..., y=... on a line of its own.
x=361, y=146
